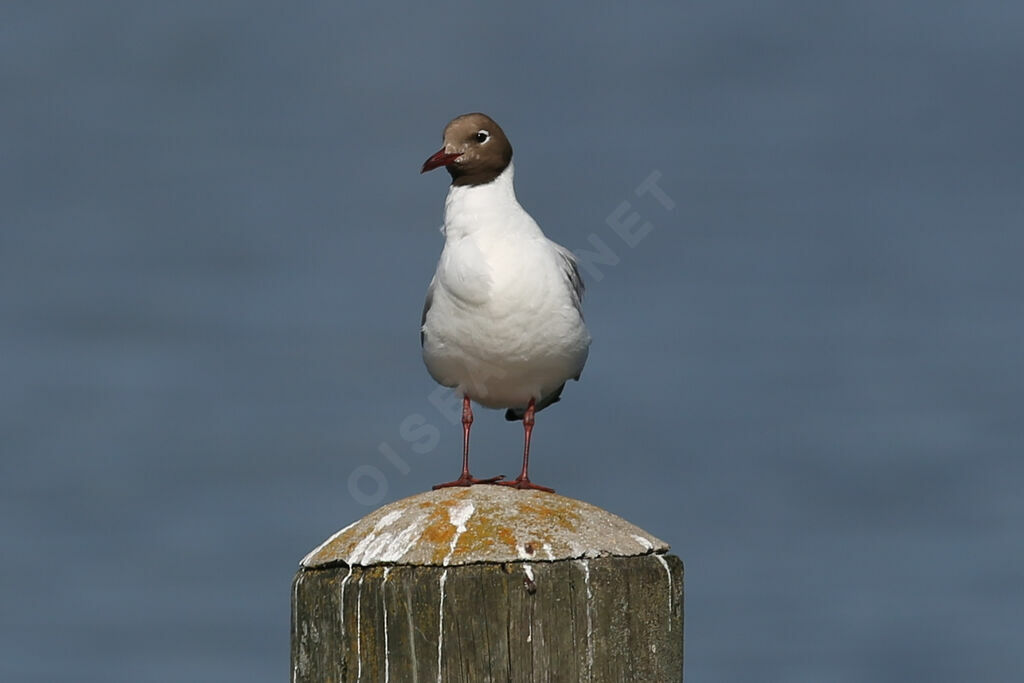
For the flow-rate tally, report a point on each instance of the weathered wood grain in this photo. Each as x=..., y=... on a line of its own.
x=600, y=620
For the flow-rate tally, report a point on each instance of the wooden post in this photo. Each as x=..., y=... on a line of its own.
x=488, y=583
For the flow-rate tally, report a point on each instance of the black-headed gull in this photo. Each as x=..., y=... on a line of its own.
x=502, y=323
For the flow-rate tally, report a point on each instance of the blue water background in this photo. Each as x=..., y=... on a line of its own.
x=807, y=376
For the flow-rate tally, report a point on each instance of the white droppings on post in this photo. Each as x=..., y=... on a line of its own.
x=342, y=592
x=295, y=602
x=440, y=625
x=546, y=547
x=326, y=543
x=341, y=599
x=359, y=628
x=458, y=515
x=384, y=611
x=400, y=543
x=590, y=617
x=644, y=543
x=668, y=573
x=411, y=626
x=375, y=541
x=529, y=619
x=528, y=571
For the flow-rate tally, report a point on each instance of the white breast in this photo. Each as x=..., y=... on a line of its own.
x=502, y=325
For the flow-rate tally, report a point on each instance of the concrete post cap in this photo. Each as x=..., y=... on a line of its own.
x=475, y=524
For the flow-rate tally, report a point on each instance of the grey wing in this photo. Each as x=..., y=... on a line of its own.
x=426, y=307
x=572, y=274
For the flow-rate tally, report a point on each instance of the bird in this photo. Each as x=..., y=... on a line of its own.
x=502, y=324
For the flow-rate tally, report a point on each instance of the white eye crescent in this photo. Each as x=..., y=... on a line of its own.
x=482, y=136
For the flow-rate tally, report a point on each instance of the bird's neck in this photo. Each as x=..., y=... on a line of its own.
x=472, y=208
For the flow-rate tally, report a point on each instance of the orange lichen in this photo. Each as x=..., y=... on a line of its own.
x=487, y=527
x=506, y=536
x=560, y=515
x=439, y=529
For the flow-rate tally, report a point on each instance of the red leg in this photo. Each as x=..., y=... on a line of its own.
x=523, y=480
x=466, y=479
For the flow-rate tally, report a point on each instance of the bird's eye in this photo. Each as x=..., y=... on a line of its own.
x=482, y=136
